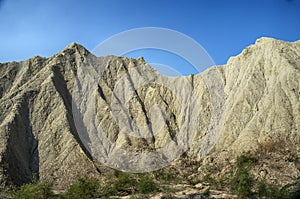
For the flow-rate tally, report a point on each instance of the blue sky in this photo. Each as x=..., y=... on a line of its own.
x=222, y=27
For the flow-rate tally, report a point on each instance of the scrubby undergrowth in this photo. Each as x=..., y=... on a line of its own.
x=239, y=180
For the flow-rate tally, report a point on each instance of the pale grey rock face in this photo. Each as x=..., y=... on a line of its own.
x=262, y=90
x=52, y=110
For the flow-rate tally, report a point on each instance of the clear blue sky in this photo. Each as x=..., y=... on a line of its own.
x=222, y=27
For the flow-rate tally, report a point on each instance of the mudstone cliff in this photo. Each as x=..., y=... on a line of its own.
x=248, y=104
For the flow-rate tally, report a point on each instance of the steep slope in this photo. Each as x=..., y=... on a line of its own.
x=262, y=89
x=68, y=114
x=38, y=138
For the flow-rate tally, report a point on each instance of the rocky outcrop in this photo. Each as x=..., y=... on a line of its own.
x=68, y=114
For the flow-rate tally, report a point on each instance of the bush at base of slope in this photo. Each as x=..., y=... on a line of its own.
x=40, y=190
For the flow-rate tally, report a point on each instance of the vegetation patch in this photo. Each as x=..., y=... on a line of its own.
x=244, y=185
x=40, y=190
x=83, y=188
x=117, y=183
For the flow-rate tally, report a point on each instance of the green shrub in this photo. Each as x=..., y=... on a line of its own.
x=166, y=176
x=243, y=184
x=40, y=190
x=83, y=188
x=271, y=191
x=242, y=181
x=9, y=191
x=124, y=183
x=146, y=185
x=121, y=183
x=245, y=160
x=210, y=179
